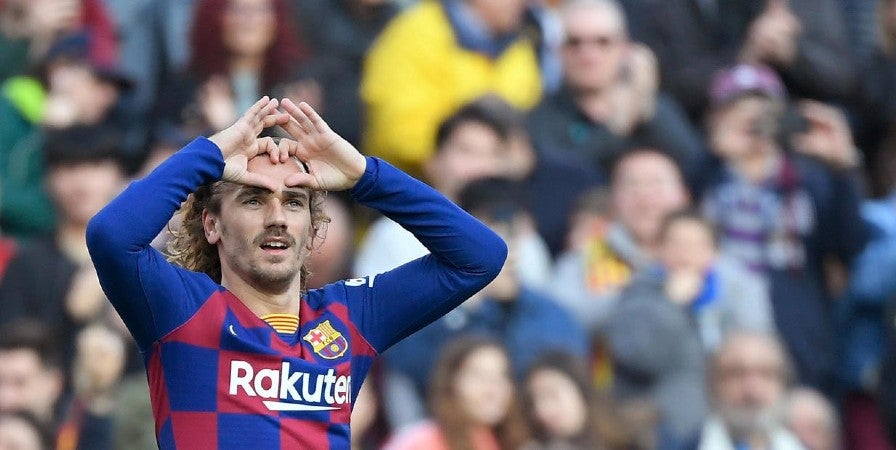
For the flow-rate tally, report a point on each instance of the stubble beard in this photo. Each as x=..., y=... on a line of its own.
x=748, y=422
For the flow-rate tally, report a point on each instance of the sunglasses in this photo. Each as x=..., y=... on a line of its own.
x=575, y=42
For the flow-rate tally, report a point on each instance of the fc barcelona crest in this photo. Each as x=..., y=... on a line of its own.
x=326, y=341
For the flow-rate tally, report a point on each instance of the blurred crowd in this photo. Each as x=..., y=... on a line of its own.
x=699, y=197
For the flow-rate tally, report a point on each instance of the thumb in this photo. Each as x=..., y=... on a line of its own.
x=258, y=180
x=302, y=179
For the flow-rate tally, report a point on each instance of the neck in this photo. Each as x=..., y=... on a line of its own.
x=246, y=63
x=70, y=237
x=260, y=298
x=71, y=231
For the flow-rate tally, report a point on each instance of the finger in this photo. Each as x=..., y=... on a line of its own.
x=293, y=129
x=302, y=179
x=255, y=110
x=267, y=145
x=316, y=120
x=275, y=119
x=287, y=148
x=304, y=122
x=258, y=180
x=266, y=110
x=819, y=112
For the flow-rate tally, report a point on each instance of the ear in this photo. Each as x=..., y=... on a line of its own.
x=210, y=227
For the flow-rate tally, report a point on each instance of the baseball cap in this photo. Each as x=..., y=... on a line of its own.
x=745, y=79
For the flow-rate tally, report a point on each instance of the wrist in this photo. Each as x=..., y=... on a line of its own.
x=221, y=144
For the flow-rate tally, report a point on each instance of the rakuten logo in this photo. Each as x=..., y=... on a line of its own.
x=284, y=385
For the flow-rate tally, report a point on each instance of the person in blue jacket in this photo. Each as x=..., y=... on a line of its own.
x=238, y=353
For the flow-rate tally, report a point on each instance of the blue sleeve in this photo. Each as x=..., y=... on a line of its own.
x=151, y=295
x=465, y=256
x=872, y=282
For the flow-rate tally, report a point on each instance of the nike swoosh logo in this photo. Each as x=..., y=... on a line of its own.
x=230, y=328
x=283, y=406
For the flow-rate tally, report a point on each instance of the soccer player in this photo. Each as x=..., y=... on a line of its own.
x=238, y=354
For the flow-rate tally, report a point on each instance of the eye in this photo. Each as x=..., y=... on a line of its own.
x=294, y=204
x=252, y=201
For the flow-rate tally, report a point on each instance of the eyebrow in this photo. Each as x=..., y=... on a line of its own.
x=292, y=194
x=248, y=191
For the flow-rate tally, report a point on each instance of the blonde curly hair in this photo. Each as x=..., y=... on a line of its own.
x=188, y=248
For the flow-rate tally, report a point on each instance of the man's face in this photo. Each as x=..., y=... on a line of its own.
x=472, y=151
x=594, y=48
x=80, y=190
x=749, y=383
x=646, y=188
x=263, y=237
x=25, y=384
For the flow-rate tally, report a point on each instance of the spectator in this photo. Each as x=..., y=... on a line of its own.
x=21, y=431
x=31, y=375
x=240, y=50
x=617, y=236
x=715, y=291
x=472, y=401
x=435, y=57
x=785, y=201
x=76, y=89
x=99, y=363
x=748, y=378
x=524, y=320
x=813, y=420
x=561, y=404
x=134, y=424
x=52, y=278
x=657, y=356
x=609, y=100
x=340, y=33
x=803, y=40
x=472, y=144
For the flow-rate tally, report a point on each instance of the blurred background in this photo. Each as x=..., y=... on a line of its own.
x=699, y=197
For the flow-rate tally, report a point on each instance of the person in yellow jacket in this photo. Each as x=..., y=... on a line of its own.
x=435, y=57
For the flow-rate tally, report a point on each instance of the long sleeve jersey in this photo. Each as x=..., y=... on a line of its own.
x=220, y=376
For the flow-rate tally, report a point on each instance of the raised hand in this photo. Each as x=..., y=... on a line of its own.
x=239, y=143
x=828, y=136
x=334, y=163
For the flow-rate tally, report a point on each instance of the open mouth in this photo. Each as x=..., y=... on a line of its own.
x=275, y=246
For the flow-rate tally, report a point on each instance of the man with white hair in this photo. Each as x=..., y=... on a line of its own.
x=609, y=99
x=748, y=379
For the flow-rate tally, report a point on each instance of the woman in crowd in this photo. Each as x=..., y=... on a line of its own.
x=560, y=403
x=472, y=402
x=240, y=50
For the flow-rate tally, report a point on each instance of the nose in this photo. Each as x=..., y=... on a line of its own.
x=274, y=214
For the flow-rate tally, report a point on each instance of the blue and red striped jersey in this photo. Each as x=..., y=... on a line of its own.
x=220, y=376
